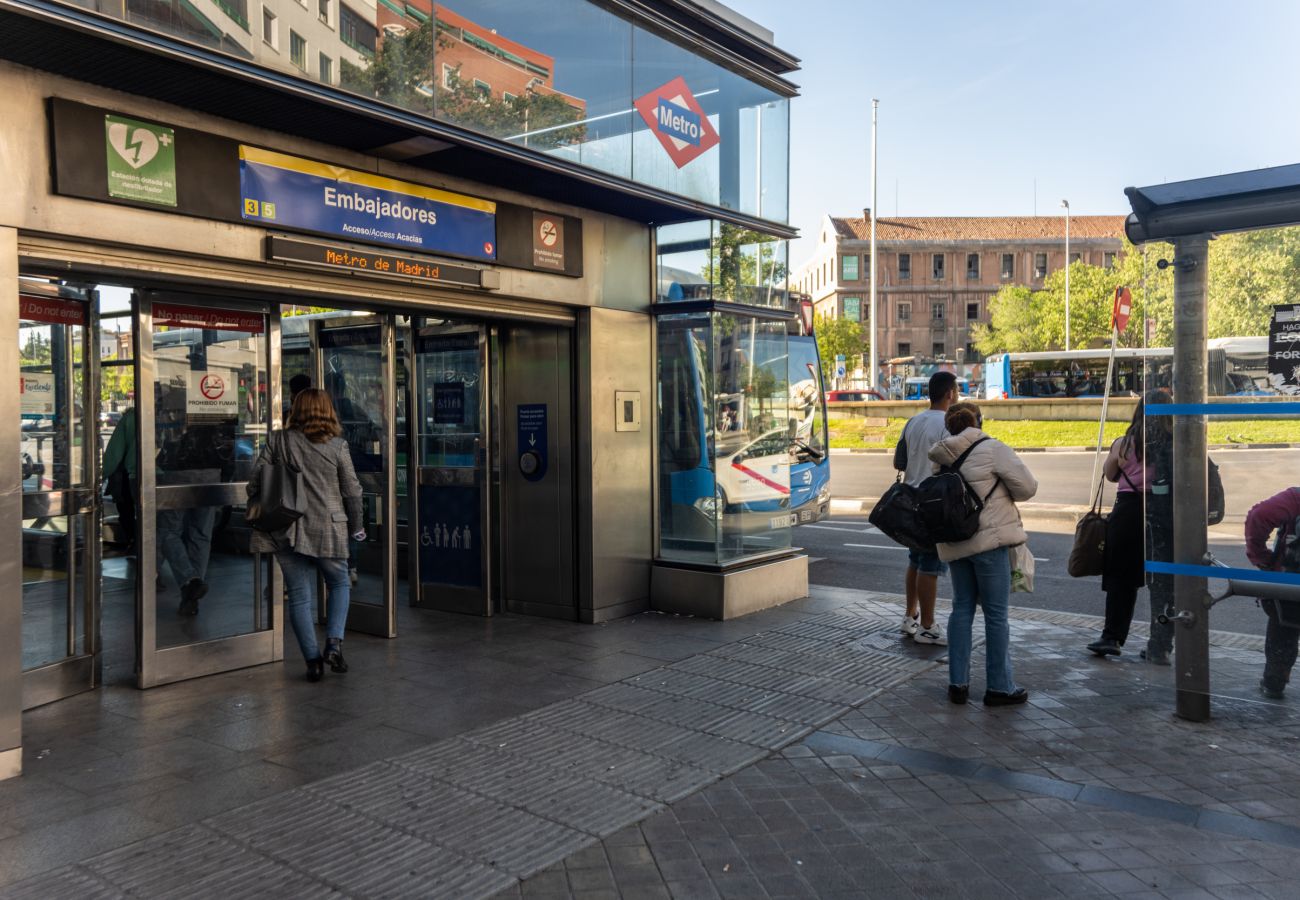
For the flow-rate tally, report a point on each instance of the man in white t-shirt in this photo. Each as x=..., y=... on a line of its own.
x=912, y=458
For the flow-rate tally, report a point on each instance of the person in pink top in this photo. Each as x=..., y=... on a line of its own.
x=1280, y=513
x=1138, y=464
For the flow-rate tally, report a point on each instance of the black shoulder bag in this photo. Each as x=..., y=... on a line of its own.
x=279, y=500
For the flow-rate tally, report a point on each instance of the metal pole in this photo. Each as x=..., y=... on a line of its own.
x=1192, y=634
x=875, y=347
x=1066, y=204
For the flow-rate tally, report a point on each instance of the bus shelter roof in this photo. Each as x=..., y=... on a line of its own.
x=1239, y=201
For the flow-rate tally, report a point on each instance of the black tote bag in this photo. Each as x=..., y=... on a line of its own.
x=279, y=499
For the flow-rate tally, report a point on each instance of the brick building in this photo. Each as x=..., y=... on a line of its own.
x=937, y=274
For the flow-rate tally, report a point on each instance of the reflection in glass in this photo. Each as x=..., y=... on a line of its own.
x=726, y=432
x=719, y=261
x=206, y=538
x=449, y=385
x=561, y=78
x=52, y=595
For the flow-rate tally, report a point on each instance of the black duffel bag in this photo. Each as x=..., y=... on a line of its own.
x=896, y=516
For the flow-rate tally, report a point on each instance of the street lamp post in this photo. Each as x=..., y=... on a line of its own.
x=1066, y=204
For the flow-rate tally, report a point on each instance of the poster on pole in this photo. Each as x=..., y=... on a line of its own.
x=1284, y=349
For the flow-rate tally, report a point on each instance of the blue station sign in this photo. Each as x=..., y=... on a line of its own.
x=290, y=192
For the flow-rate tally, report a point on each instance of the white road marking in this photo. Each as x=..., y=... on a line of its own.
x=813, y=559
x=1041, y=559
x=877, y=546
x=870, y=529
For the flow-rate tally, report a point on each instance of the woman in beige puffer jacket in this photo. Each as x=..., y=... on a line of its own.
x=980, y=567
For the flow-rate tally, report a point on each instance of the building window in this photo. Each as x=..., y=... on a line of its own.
x=1108, y=259
x=904, y=267
x=323, y=7
x=484, y=89
x=1008, y=265
x=268, y=27
x=936, y=349
x=853, y=308
x=866, y=266
x=972, y=311
x=297, y=49
x=936, y=267
x=904, y=348
x=1074, y=258
x=973, y=266
x=849, y=268
x=904, y=312
x=326, y=69
x=1040, y=265
x=970, y=352
x=937, y=309
x=448, y=77
x=507, y=96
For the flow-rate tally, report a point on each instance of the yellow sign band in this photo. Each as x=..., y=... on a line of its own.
x=352, y=176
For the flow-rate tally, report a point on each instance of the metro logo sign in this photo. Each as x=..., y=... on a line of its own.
x=678, y=120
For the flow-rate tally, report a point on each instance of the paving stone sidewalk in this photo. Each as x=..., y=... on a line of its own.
x=1094, y=789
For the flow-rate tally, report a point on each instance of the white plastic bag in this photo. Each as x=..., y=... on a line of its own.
x=1022, y=569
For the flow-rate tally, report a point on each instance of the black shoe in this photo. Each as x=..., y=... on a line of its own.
x=334, y=656
x=315, y=669
x=998, y=698
x=191, y=592
x=959, y=693
x=1271, y=693
x=1105, y=647
x=1155, y=658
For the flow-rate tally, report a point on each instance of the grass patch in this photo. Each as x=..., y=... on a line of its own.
x=855, y=435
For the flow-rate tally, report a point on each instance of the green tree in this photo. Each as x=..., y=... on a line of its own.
x=1249, y=274
x=839, y=336
x=745, y=266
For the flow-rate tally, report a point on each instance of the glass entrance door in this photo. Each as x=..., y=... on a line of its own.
x=60, y=465
x=450, y=521
x=356, y=365
x=207, y=378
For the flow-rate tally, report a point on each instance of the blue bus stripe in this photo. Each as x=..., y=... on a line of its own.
x=1166, y=568
x=1223, y=409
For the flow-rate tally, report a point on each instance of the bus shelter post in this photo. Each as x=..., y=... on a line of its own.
x=1192, y=634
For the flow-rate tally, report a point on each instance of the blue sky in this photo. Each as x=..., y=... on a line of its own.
x=978, y=100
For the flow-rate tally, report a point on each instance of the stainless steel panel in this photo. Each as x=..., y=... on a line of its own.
x=615, y=469
x=728, y=594
x=11, y=533
x=56, y=681
x=538, y=571
x=183, y=496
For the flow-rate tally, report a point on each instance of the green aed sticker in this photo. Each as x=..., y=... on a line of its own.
x=141, y=160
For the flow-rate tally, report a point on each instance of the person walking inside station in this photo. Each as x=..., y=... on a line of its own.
x=1280, y=513
x=912, y=458
x=1140, y=462
x=318, y=541
x=981, y=565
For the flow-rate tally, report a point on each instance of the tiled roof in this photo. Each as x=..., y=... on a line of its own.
x=980, y=228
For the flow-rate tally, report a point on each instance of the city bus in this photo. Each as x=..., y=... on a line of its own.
x=719, y=459
x=1238, y=367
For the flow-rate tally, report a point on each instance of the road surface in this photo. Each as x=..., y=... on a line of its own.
x=1248, y=476
x=846, y=551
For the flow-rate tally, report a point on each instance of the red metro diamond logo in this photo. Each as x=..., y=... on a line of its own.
x=677, y=119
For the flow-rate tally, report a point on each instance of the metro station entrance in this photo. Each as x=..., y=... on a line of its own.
x=143, y=413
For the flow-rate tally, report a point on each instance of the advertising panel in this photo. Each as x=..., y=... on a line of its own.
x=1284, y=349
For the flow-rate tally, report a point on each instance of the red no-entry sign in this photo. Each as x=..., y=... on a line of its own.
x=1123, y=306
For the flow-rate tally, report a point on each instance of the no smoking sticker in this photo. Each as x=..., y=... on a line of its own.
x=548, y=242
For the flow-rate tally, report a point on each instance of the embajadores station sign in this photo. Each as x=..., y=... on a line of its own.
x=287, y=191
x=678, y=121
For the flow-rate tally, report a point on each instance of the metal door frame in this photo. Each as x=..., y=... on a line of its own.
x=463, y=600
x=75, y=673
x=156, y=666
x=380, y=621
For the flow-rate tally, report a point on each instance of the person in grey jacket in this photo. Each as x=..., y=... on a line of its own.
x=980, y=566
x=318, y=541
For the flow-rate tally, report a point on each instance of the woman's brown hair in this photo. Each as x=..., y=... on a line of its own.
x=961, y=416
x=313, y=414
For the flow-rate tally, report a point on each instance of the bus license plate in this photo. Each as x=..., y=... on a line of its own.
x=784, y=521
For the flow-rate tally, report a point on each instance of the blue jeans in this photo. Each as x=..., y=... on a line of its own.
x=300, y=583
x=926, y=562
x=983, y=579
